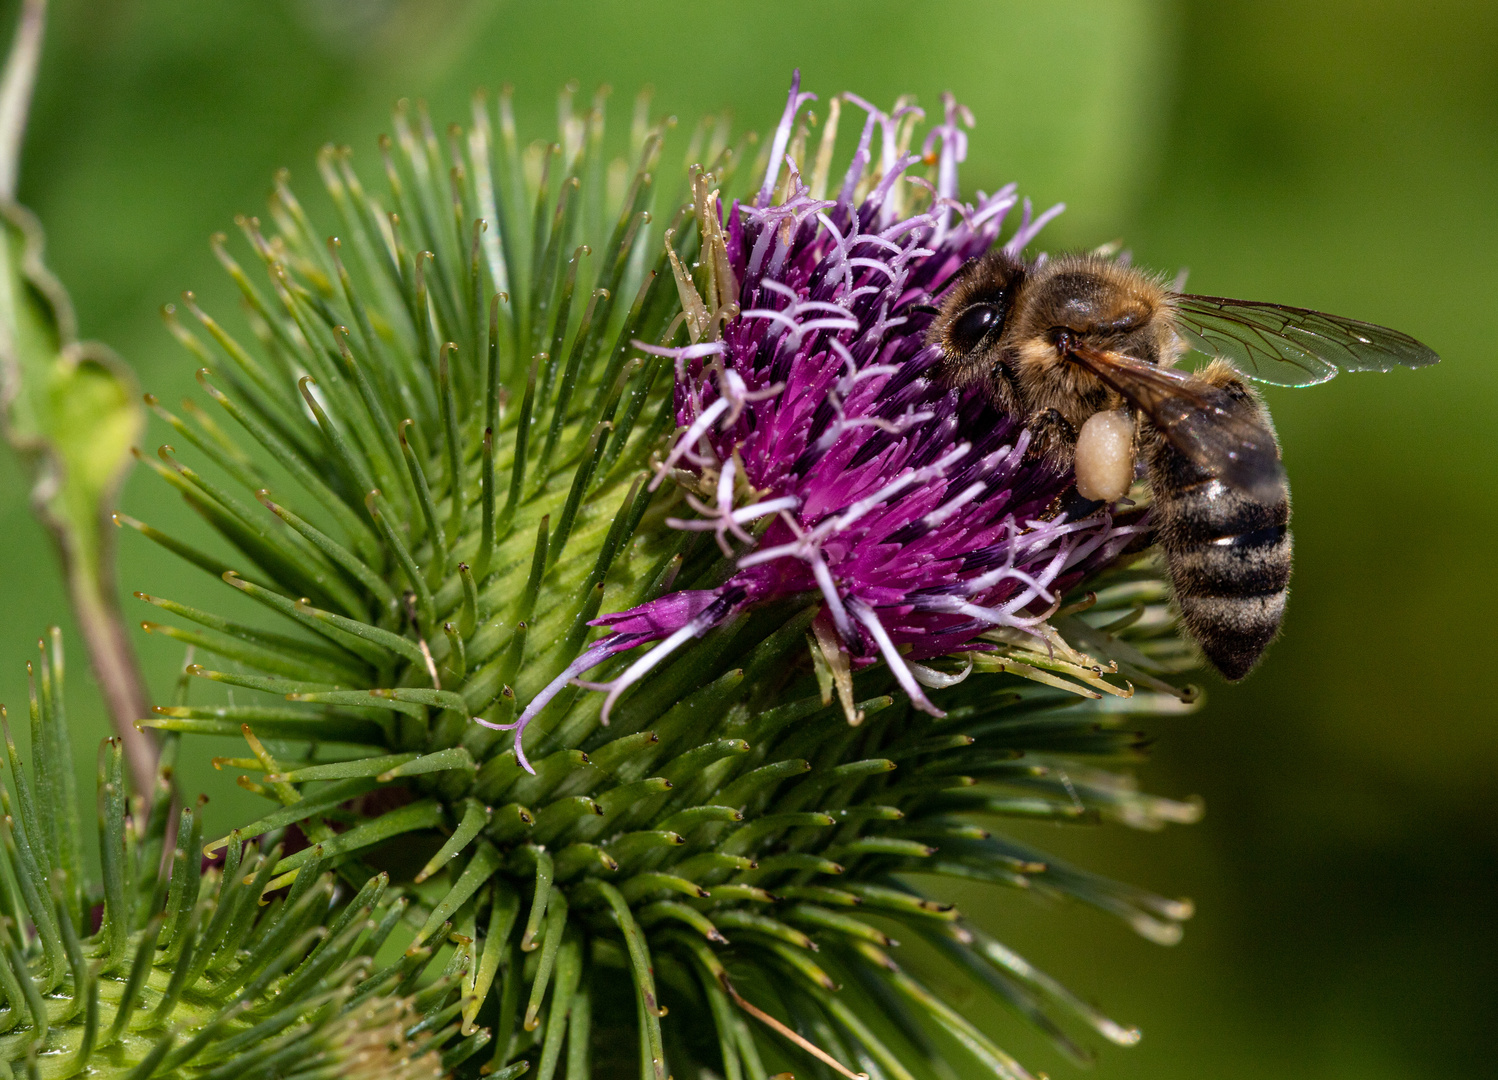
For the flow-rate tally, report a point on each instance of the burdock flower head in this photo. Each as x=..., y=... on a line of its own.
x=537, y=416
x=807, y=403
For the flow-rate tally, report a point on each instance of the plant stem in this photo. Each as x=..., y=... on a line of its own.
x=92, y=593
x=15, y=90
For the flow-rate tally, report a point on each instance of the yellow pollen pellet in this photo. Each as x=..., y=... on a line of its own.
x=1105, y=456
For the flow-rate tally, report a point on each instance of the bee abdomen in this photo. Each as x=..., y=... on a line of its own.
x=1233, y=631
x=1229, y=557
x=1247, y=563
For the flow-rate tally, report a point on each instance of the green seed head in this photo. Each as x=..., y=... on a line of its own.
x=164, y=968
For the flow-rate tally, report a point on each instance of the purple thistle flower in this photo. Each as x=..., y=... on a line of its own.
x=910, y=507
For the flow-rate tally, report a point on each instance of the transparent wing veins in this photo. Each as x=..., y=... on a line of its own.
x=1290, y=346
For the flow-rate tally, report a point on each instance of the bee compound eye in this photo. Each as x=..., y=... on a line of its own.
x=973, y=325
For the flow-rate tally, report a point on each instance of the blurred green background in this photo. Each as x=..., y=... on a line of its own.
x=1340, y=155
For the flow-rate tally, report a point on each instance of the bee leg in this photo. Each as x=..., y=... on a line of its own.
x=1053, y=437
x=1074, y=506
x=1003, y=388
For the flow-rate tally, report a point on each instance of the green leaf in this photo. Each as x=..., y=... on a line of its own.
x=75, y=401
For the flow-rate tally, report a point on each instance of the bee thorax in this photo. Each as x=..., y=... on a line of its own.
x=1104, y=459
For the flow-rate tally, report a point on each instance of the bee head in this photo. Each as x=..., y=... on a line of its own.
x=974, y=313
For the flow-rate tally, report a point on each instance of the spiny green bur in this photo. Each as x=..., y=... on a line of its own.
x=189, y=972
x=427, y=461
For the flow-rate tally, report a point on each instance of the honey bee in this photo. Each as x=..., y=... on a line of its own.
x=1083, y=347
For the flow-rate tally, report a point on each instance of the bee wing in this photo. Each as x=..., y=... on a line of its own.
x=1205, y=423
x=1290, y=346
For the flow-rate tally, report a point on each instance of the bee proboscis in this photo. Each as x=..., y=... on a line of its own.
x=1082, y=346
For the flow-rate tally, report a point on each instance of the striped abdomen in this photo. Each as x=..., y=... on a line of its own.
x=1228, y=556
